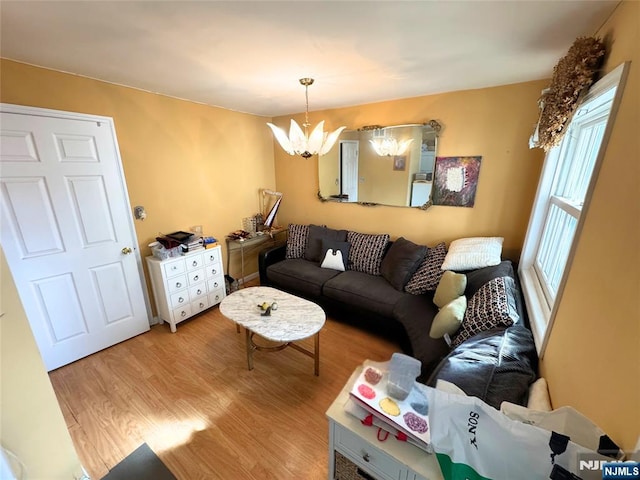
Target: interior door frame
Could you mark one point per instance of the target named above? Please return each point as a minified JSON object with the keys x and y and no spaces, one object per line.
{"x":341,"y":166}
{"x":46,"y":112}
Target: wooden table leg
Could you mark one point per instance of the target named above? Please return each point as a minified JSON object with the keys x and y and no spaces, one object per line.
{"x":316,"y":357}
{"x":249,"y":348}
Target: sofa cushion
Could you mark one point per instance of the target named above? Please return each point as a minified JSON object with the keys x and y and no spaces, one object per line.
{"x":317,"y":234}
{"x":297,"y":240}
{"x":415,"y":313}
{"x":334,"y":254}
{"x":495,"y":366}
{"x":427,"y":276}
{"x":401,"y":261}
{"x":366,"y":252}
{"x":493,"y":305}
{"x":449,"y":318}
{"x":450,"y":287}
{"x":364,"y":291}
{"x":300,"y":275}
{"x":471,"y":253}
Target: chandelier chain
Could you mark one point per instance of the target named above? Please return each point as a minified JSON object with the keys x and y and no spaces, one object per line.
{"x":306,"y":112}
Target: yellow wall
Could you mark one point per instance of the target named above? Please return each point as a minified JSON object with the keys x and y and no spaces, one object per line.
{"x":592,"y":361}
{"x":493,"y":122}
{"x":187,"y":163}
{"x":31,"y":422}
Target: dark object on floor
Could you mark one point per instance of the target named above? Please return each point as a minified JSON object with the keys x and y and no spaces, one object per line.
{"x":142,"y":464}
{"x":231,"y":284}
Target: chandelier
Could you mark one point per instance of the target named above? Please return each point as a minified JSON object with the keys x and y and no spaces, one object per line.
{"x":386,"y":145}
{"x":300,"y":142}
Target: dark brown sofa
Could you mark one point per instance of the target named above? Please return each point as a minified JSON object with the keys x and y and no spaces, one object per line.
{"x":500,"y":365}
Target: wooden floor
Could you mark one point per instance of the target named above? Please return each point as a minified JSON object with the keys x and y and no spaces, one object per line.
{"x":190,"y":397}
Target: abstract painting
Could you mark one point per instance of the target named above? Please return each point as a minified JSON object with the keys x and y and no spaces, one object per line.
{"x":456,"y":180}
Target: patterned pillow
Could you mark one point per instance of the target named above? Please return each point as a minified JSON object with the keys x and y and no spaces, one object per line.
{"x":297,"y":240}
{"x":429,"y":272}
{"x":366,"y":252}
{"x":493,"y":305}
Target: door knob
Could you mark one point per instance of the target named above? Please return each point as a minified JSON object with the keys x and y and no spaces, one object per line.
{"x":126,"y":250}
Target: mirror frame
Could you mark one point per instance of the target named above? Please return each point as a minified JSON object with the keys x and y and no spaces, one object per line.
{"x":435,"y":126}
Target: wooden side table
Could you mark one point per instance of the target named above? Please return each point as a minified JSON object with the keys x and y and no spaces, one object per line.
{"x":356,"y":453}
{"x":251,"y":244}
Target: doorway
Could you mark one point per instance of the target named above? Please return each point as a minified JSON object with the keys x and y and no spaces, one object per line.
{"x":67,"y":232}
{"x":349,"y":170}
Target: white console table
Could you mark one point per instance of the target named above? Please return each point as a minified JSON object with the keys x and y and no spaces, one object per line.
{"x":355,"y":452}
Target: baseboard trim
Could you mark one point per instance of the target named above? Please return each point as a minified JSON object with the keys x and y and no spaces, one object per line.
{"x":248,"y":278}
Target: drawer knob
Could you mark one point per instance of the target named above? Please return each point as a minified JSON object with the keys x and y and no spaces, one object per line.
{"x":180,"y":300}
{"x":366,"y":458}
{"x":217,"y":297}
{"x":215,"y":284}
{"x":214,"y":271}
{"x":196,"y":277}
{"x":199,"y":292}
{"x":178,"y":284}
{"x":201,"y":305}
{"x":195,"y":263}
{"x":184,"y":314}
{"x":211,"y":258}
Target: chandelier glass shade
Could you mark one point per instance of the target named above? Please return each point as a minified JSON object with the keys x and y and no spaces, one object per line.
{"x":299,"y":142}
{"x":386,"y":145}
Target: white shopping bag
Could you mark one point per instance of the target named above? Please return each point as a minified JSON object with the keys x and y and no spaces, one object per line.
{"x":474,"y":441}
{"x":567,"y":421}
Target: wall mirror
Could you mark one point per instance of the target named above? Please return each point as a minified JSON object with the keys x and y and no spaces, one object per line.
{"x":381,"y":165}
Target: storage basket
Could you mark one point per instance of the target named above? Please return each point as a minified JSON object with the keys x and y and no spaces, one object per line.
{"x":345,"y":469}
{"x":162,"y":253}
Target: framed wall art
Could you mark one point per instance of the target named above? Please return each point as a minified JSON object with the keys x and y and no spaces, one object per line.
{"x":400,"y":162}
{"x":456,"y":180}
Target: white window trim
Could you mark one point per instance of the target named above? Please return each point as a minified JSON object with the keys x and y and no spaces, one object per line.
{"x":541,"y":314}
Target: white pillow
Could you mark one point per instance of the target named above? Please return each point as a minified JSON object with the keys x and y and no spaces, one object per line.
{"x":333,"y":259}
{"x":472,"y":253}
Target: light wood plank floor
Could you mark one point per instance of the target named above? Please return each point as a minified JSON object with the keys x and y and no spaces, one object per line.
{"x":190,"y":397}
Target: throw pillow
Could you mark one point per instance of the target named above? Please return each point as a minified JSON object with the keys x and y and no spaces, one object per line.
{"x":401,"y":261}
{"x":297,"y":240}
{"x":450,"y":287}
{"x":449,"y":318}
{"x":477,"y":278}
{"x":471,"y":253}
{"x":492,"y":306}
{"x":335,"y":255}
{"x":429,"y":272}
{"x":313,"y":250}
{"x":366,"y":252}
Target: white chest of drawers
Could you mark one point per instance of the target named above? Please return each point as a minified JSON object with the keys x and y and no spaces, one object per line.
{"x":355,"y":451}
{"x":187,"y":285}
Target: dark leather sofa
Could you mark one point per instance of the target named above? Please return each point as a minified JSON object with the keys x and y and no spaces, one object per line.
{"x":496,"y":365}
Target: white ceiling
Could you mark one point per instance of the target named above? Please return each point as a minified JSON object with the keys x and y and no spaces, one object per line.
{"x":248,"y":56}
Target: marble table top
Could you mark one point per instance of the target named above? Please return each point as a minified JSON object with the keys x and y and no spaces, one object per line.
{"x":295,"y":318}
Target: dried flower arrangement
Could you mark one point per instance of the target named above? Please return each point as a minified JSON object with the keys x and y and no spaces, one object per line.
{"x":573,"y":74}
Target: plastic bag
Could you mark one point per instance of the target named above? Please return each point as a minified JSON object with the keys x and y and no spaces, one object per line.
{"x":474,"y":441}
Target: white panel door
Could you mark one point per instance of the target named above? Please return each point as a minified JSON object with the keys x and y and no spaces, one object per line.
{"x":67,"y":234}
{"x":349,"y":169}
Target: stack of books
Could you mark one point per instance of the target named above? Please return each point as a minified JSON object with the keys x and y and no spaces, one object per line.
{"x":194,"y":243}
{"x":209,"y":242}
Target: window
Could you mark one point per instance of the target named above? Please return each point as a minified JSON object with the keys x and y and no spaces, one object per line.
{"x":566,"y":182}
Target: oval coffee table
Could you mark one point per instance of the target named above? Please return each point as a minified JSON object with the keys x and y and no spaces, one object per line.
{"x":295,"y":319}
